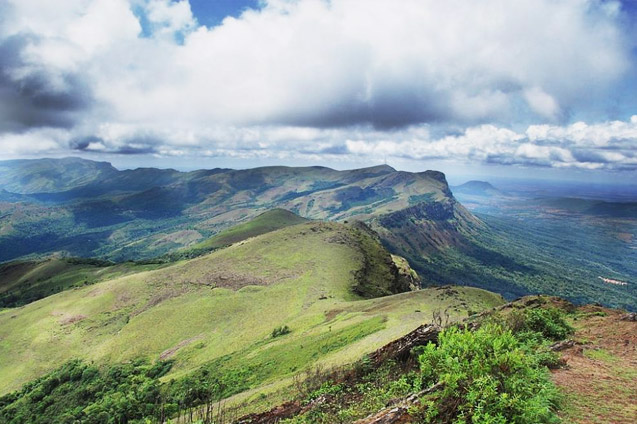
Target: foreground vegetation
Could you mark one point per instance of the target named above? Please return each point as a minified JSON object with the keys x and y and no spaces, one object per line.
{"x":495,"y":374}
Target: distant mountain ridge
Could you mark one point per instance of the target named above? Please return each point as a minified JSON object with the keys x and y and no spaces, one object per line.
{"x":92,"y":209}
{"x":29,"y":176}
{"x":592,"y":207}
{"x":477,"y":188}
{"x":158,"y":216}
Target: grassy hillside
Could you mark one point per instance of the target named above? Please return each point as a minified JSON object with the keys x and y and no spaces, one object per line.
{"x":536,"y":360}
{"x":219,"y":311}
{"x":24,"y":282}
{"x":268,"y":221}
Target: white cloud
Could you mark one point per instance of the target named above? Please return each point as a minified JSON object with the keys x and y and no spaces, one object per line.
{"x":168,"y":17}
{"x":316,"y":77}
{"x":609,"y":145}
{"x":542,"y":103}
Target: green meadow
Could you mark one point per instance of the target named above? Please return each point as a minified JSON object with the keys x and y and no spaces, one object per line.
{"x":218,"y":311}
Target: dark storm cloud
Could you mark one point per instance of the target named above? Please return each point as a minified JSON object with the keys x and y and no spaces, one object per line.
{"x":28,"y":97}
{"x":387,"y":108}
{"x":83,"y":143}
{"x":133,"y":149}
{"x":128,"y":146}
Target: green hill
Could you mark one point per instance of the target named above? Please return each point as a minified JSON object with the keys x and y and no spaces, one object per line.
{"x":22,"y":282}
{"x":26,"y":176}
{"x":218,"y":312}
{"x":266,"y":222}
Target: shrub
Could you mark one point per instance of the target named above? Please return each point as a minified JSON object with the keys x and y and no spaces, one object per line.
{"x":281,"y":331}
{"x":549,"y":322}
{"x":327,"y":388}
{"x":488,"y":376}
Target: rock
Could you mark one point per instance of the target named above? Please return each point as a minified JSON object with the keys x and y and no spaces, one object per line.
{"x":631,"y":316}
{"x":563,"y":345}
{"x":399,"y":349}
{"x":281,"y":412}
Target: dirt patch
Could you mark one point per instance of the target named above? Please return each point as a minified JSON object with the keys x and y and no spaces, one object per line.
{"x":626,"y":237}
{"x":164,"y":294}
{"x":96,"y":292}
{"x":166,"y":354}
{"x":72,"y":319}
{"x":231,"y":280}
{"x":222,"y":275}
{"x":600,"y":379}
{"x":183,"y":237}
{"x":330,"y":315}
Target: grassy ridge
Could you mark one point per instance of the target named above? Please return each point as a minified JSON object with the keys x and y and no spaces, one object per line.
{"x":22,"y":282}
{"x":229,"y":301}
{"x":271,"y":220}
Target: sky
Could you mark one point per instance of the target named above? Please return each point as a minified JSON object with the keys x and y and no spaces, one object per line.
{"x":541,"y":88}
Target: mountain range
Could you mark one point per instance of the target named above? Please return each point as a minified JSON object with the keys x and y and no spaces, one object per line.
{"x":96,"y":210}
{"x":79,"y":208}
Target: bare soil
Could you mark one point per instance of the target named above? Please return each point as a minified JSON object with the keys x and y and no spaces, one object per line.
{"x":600,"y":378}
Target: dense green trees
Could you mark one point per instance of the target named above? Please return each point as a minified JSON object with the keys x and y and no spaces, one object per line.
{"x":80,"y":392}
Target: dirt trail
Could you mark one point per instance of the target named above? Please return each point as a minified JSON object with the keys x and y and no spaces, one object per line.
{"x":600,"y":380}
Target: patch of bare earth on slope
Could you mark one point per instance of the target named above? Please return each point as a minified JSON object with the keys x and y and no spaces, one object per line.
{"x":600,"y":377}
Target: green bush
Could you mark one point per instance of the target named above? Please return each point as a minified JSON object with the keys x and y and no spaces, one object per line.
{"x":549,"y":322}
{"x":281,"y":331}
{"x":489,"y":377}
{"x":327,"y":388}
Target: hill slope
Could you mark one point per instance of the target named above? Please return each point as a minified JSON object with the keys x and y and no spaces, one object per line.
{"x":581,"y":361}
{"x":228,"y":302}
{"x":266,"y":222}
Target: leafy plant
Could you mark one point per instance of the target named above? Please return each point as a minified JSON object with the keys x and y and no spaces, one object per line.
{"x":549,"y":322}
{"x":488,"y":377}
{"x":78,"y":392}
{"x":281,"y":331}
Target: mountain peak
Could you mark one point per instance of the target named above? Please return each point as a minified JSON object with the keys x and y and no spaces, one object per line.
{"x":477,"y":188}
